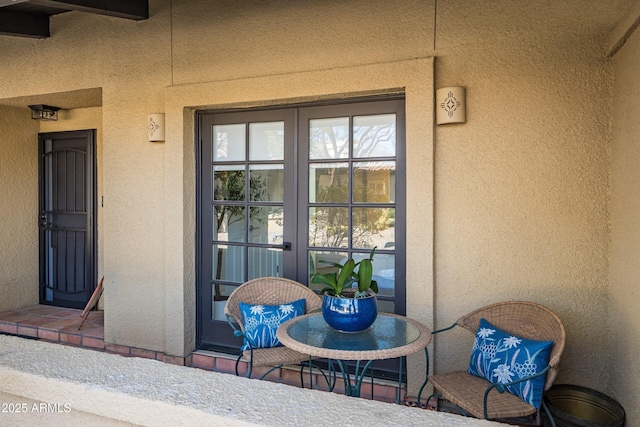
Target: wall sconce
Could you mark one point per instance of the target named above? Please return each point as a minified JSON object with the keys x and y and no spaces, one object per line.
{"x":450,"y":105}
{"x":44,"y":112}
{"x":156,"y":127}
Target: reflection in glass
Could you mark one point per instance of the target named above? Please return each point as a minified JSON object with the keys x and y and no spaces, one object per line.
{"x":220,"y":295}
{"x":373,"y":227}
{"x":228,"y":223}
{"x":329,"y":138}
{"x":264,"y":262}
{"x":228,"y":183}
{"x":374,"y":136}
{"x":374,"y":182}
{"x":267,"y":183}
{"x":328,"y":227}
{"x":386,"y":306}
{"x":265,"y":225}
{"x":328,"y":182}
{"x":229,"y":142}
{"x":266,"y":141}
{"x":320,"y":262}
{"x":384,"y":273}
{"x":228,"y":262}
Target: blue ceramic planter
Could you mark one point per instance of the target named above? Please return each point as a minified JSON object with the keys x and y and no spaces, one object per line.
{"x":350,"y":314}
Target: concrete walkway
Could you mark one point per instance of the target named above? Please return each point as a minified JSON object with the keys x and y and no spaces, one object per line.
{"x":52,"y":384}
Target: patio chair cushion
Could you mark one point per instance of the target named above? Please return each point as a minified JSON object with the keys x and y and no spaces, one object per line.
{"x":502,"y":357}
{"x":260,"y":322}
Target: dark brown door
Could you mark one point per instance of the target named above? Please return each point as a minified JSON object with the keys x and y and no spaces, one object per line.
{"x":67,"y":218}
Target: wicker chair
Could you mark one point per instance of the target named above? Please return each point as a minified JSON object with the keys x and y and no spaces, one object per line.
{"x":269,"y":291}
{"x":478,"y":397}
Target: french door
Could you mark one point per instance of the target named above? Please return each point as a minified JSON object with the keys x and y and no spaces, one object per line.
{"x":285,"y":192}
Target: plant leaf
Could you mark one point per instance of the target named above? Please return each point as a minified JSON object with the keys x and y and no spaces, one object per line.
{"x":374,"y":286}
{"x":346,"y":271}
{"x":326,"y":279}
{"x":365,"y":272}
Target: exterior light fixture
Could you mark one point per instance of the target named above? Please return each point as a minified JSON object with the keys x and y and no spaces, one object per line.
{"x":44,"y":112}
{"x":450,"y":105}
{"x":155,"y":127}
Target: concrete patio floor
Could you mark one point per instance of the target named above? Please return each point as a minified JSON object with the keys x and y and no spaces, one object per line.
{"x":67,"y":385}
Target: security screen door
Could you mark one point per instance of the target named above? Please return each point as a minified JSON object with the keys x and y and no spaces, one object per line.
{"x":286,"y":192}
{"x":67,"y":218}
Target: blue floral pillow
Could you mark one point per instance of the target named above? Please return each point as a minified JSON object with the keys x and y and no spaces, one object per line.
{"x":501,"y":357}
{"x":261,"y":322}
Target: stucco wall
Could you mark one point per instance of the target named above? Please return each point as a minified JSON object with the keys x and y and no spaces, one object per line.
{"x":520,"y":189}
{"x":624,"y":299}
{"x":18,"y":208}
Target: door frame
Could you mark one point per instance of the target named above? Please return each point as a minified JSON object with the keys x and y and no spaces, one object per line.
{"x":198,"y":140}
{"x":92,"y":208}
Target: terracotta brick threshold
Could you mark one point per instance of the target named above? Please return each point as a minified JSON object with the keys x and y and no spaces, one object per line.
{"x":62,"y":325}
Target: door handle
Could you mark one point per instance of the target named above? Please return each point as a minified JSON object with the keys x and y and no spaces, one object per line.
{"x":44,"y":221}
{"x":285,"y":246}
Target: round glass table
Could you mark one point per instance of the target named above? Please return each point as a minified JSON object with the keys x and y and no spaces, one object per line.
{"x":389,"y":337}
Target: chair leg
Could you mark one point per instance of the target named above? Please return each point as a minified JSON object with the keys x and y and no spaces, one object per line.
{"x":271,"y":370}
{"x":249,"y":369}
{"x":436,"y":395}
{"x":546,"y":410}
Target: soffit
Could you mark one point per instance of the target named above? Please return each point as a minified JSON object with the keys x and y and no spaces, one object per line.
{"x":30,"y":18}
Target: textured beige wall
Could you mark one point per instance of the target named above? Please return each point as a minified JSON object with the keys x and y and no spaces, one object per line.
{"x":18,"y":208}
{"x":624,"y":298}
{"x":521,"y":188}
{"x":131,"y":62}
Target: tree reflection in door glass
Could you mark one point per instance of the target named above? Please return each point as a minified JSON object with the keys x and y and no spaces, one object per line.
{"x":328,"y":182}
{"x":374,"y":136}
{"x":373,"y":227}
{"x":329,"y":138}
{"x":328,"y":227}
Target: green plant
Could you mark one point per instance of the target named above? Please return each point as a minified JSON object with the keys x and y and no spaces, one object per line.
{"x":337,"y":281}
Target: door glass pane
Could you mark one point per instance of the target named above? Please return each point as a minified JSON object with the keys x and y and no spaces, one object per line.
{"x":228,"y":183}
{"x":374,"y":182}
{"x":329,"y":227}
{"x":266,"y":225}
{"x":264,"y":262}
{"x":220,"y":295}
{"x":384,"y":273}
{"x":228,"y":223}
{"x":228,"y":262}
{"x":320,"y":262}
{"x":373,"y":227}
{"x":386,"y":306}
{"x":229,"y":142}
{"x":328,"y":182}
{"x":329,"y":138}
{"x":374,"y":136}
{"x":266,"y":141}
{"x":267,"y":183}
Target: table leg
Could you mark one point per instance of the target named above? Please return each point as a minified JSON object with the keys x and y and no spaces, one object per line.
{"x":426,"y":379}
{"x":398,"y":392}
{"x":353,"y":388}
